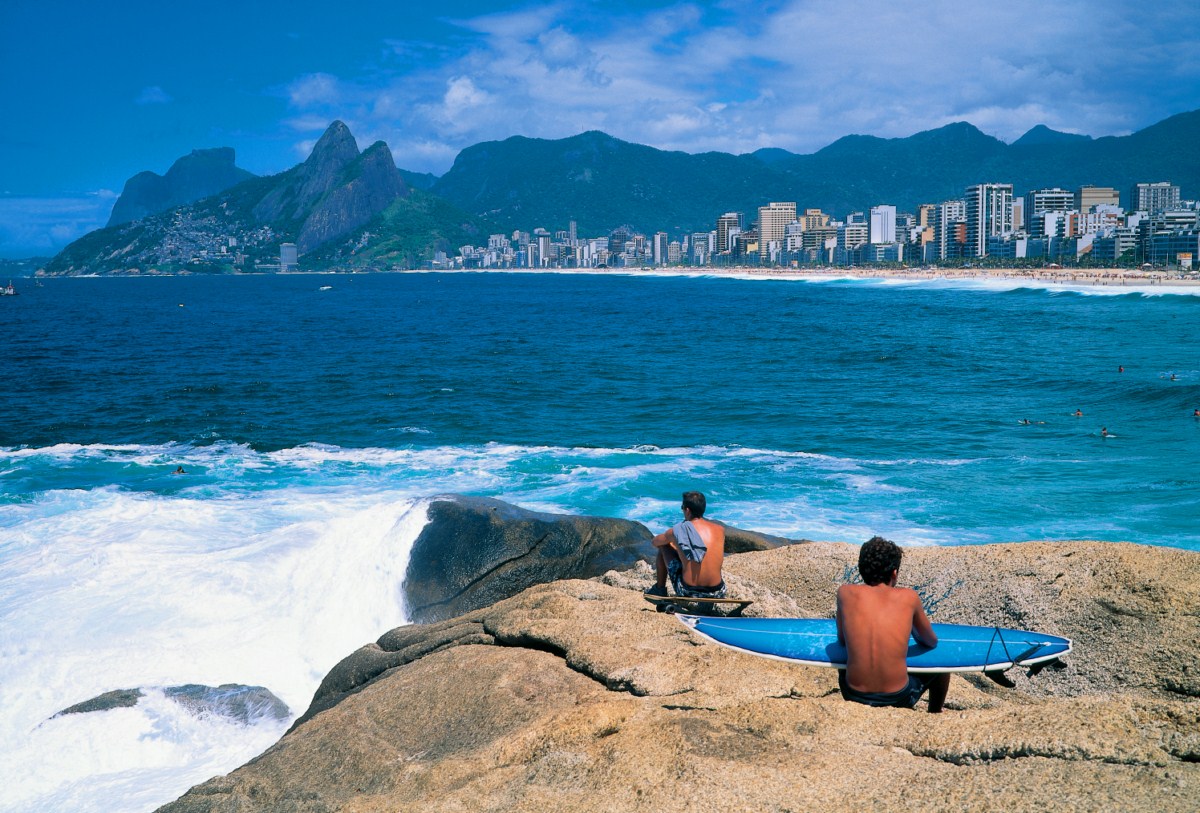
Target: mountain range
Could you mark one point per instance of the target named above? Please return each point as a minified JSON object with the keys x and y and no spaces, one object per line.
{"x":344,"y":208}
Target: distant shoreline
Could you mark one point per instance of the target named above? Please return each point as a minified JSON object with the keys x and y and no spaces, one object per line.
{"x":1092,"y":277}
{"x":1068,"y":278}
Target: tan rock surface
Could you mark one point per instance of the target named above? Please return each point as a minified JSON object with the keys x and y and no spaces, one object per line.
{"x":577,"y":696}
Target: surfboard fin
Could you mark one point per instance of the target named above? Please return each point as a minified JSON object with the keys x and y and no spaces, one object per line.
{"x":999,"y":677}
{"x":1057,"y":664}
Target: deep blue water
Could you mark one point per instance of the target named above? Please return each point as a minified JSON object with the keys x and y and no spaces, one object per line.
{"x":854,"y":399}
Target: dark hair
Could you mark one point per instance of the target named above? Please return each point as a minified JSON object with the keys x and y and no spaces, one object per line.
{"x":694,"y":502}
{"x":877,"y":559}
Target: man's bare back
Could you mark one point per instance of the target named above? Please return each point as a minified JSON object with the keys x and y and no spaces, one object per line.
{"x":874,"y":622}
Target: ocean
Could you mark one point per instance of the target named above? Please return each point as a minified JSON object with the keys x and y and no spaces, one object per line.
{"x":314,"y":416}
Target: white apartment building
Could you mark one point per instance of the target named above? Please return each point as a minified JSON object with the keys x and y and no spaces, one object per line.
{"x":989,"y":214}
{"x":1153,"y":197}
{"x":883,"y":224}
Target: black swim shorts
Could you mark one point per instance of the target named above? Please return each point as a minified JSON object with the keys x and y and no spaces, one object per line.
{"x":906,"y":698}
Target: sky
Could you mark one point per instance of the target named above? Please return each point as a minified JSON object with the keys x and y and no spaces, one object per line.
{"x":93,"y":93}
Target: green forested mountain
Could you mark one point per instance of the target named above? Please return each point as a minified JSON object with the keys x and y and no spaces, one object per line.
{"x":344,"y":208}
{"x":602,"y":182}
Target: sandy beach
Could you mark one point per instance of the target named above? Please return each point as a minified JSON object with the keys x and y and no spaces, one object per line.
{"x":1066,"y":277}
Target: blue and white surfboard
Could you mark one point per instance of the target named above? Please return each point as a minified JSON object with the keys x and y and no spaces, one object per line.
{"x":813,"y":641}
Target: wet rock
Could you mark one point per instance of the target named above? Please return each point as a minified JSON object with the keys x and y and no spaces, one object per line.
{"x":476,"y":551}
{"x":244,"y":704}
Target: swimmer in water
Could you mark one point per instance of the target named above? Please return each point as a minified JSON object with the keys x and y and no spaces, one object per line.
{"x":1196,"y":413}
{"x":1104,"y":432}
{"x":1120,"y":368}
{"x":179,"y":470}
{"x":1079,"y":413}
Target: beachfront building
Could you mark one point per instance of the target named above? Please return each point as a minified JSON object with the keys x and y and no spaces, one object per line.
{"x":1153,"y":197}
{"x":883,"y":224}
{"x":989,"y":214}
{"x":1089,"y":197}
{"x":948,"y":215}
{"x":1039,"y":202}
{"x":728,"y":226}
{"x":660,"y":248}
{"x":772,"y":223}
{"x":288,"y":260}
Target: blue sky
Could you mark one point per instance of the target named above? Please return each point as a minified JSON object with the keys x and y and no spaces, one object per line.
{"x":93,"y":93}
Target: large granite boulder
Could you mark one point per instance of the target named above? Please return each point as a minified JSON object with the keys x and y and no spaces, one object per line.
{"x":577,"y":696}
{"x":476,"y":551}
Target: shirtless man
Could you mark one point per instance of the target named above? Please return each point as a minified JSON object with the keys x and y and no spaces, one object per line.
{"x":874,"y":620}
{"x":690,"y":554}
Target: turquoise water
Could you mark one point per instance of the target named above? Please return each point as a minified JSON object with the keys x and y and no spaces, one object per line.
{"x":315,"y":425}
{"x":824,"y":410}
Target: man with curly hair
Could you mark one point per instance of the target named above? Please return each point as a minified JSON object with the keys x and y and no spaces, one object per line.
{"x":874,"y":620}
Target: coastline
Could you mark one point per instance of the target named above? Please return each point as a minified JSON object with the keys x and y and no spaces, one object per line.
{"x":1067,"y":278}
{"x":1064,"y":278}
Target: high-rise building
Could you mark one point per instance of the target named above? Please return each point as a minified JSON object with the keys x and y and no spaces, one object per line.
{"x":852,"y":235}
{"x":813,"y":219}
{"x":772,"y":223}
{"x":1087,"y":197}
{"x":726,"y":223}
{"x":883,"y":224}
{"x":989,"y":214}
{"x":287,"y":257}
{"x":947,"y":215}
{"x":1040,"y":201}
{"x":925,"y":215}
{"x":1153,"y":197}
{"x":660,"y":248}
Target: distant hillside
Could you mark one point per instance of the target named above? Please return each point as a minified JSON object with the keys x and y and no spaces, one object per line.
{"x":346,"y":208}
{"x":330,"y":198}
{"x":192,"y":177}
{"x":602,"y":182}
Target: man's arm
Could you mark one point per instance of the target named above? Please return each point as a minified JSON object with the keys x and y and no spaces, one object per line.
{"x":922,"y":629}
{"x":665,"y":539}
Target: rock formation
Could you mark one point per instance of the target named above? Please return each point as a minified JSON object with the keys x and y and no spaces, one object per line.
{"x":577,"y":696}
{"x":475,"y":551}
{"x":192,"y":177}
{"x":245,"y":704}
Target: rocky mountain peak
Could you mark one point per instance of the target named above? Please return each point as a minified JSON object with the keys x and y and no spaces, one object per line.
{"x":194,"y":176}
{"x":335,"y":147}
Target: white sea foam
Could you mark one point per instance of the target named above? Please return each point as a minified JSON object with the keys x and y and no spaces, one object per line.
{"x":128,"y":590}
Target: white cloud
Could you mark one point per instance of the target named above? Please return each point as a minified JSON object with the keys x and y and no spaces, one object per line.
{"x":153,"y":95}
{"x":315,"y":89}
{"x":796,"y":74}
{"x":31,"y":226}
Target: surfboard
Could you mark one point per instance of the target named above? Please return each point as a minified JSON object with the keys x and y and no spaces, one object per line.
{"x":813,"y":642}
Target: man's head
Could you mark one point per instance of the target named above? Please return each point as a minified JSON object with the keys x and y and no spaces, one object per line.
{"x":694,"y":502}
{"x":877,"y":559}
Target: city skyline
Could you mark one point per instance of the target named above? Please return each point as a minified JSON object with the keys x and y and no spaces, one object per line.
{"x":108,"y":93}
